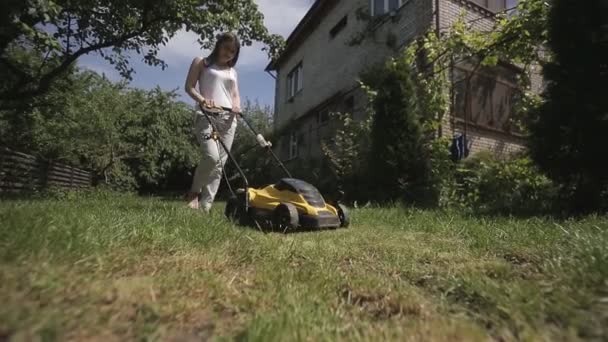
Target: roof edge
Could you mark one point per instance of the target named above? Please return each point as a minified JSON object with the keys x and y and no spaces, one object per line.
{"x":302,"y":25}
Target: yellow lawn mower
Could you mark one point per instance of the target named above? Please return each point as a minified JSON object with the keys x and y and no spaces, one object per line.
{"x":288,"y":205}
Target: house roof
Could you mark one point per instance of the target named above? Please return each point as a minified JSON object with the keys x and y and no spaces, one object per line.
{"x":311,"y":18}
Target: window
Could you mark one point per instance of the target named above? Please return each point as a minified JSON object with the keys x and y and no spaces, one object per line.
{"x":380,"y":7}
{"x":339,"y":26}
{"x":496,"y":5}
{"x":492,"y":97}
{"x":293,"y":145}
{"x":349,"y":105}
{"x":294,"y":81}
{"x":323,"y":116}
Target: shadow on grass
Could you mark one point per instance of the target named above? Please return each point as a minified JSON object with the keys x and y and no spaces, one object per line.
{"x":269,"y":228}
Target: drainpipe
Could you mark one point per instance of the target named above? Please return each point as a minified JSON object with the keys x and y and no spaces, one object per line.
{"x":274,"y":111}
{"x":437,"y":32}
{"x":437,"y":27}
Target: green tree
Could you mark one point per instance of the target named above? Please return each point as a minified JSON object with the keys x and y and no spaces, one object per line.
{"x":253,"y":160}
{"x":347,"y":155}
{"x":569,"y":130}
{"x":397,"y":138}
{"x":130,"y":138}
{"x":59,"y":32}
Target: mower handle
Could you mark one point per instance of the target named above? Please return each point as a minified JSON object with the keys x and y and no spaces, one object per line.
{"x":225,"y":109}
{"x":258,"y":136}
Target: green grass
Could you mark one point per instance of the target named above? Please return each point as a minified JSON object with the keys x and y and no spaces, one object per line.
{"x":121,"y":268}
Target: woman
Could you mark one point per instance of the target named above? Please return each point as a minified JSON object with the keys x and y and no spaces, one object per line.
{"x":218,"y":86}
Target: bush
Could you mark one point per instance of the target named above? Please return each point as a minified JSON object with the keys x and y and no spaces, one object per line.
{"x":568,"y":131}
{"x":400,"y":141}
{"x":100,"y":192}
{"x":347,"y":157}
{"x":441,"y":178}
{"x":487,"y":185}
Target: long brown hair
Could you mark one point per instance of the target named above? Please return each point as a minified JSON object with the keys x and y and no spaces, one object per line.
{"x":221,"y":39}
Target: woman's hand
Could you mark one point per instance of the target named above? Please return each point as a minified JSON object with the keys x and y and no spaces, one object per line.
{"x":207,"y":103}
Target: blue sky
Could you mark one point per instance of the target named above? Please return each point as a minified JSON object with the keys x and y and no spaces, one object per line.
{"x":280,"y":17}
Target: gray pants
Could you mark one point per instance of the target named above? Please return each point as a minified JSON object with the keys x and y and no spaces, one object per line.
{"x":208,"y":174}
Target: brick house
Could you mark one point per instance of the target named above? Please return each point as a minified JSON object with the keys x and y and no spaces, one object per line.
{"x":317,"y":72}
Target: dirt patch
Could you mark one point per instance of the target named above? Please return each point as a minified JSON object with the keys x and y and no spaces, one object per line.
{"x":380,"y":306}
{"x":521,"y":259}
{"x":470,"y":298}
{"x":5,"y":334}
{"x":526,"y":266}
{"x":196,"y":326}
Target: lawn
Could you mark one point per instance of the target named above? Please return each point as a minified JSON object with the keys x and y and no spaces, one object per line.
{"x":119,"y":267}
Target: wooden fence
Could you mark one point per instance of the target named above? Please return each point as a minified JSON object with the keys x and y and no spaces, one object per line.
{"x":22,"y":172}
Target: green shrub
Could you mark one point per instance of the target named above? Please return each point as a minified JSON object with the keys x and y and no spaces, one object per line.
{"x":486,"y":184}
{"x":568,"y":130}
{"x":100,"y":192}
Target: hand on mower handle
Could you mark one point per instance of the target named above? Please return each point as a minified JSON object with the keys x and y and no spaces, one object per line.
{"x":262,"y":141}
{"x":226,"y":109}
{"x":207,"y":103}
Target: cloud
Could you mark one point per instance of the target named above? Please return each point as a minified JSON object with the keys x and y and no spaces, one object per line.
{"x":99,"y":66}
{"x":280,"y":17}
{"x":182,"y":45}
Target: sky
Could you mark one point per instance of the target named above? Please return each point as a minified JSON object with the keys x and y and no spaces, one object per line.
{"x":280,"y":17}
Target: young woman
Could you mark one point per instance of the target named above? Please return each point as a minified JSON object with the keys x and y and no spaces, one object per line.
{"x":217,"y":86}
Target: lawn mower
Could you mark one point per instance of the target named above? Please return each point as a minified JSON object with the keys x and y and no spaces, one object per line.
{"x":286,"y":205}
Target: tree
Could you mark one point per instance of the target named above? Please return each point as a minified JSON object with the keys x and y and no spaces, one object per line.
{"x":569,"y":130}
{"x":129,"y":138}
{"x":347,"y":154}
{"x":59,"y":32}
{"x":400,"y":168}
{"x":253,"y":160}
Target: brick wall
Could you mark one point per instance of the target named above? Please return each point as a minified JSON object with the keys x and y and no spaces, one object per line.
{"x":450,"y":11}
{"x":479,"y":138}
{"x":331,"y":68}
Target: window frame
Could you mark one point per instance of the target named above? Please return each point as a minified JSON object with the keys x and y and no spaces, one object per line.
{"x":295,"y":88}
{"x":387,"y":10}
{"x":502,"y":4}
{"x":323,"y":114}
{"x":293,"y":147}
{"x":340,"y":25}
{"x":463,"y":111}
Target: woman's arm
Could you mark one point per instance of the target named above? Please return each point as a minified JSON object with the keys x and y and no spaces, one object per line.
{"x":197,"y":66}
{"x":236,"y":95}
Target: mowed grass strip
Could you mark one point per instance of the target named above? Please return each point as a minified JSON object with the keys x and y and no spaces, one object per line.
{"x":119,"y":267}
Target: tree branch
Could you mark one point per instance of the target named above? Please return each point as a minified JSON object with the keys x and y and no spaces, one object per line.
{"x":46,"y":80}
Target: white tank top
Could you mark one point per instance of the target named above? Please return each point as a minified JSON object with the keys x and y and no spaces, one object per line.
{"x":217,"y":84}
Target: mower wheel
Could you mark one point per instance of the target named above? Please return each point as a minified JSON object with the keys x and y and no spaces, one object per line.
{"x":286,"y":216}
{"x":233,"y":209}
{"x":343,"y":215}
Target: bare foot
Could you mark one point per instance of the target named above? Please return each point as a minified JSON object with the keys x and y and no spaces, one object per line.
{"x":192,"y":199}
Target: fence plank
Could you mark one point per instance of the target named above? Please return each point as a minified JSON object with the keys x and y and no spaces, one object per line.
{"x":21,"y":172}
{"x":15,"y":185}
{"x":67,"y":169}
{"x":2,"y":157}
{"x":21,"y":160}
{"x":66,"y":180}
{"x":61,"y":174}
{"x":10,"y":152}
{"x":34,"y":178}
{"x":67,"y":185}
{"x":21,"y":177}
{"x":16,"y":165}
